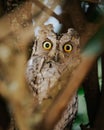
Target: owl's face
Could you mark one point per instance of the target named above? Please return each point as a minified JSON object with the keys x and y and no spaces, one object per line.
{"x":59,"y":48}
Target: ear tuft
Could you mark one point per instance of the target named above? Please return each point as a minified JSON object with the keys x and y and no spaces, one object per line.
{"x":74,"y":34}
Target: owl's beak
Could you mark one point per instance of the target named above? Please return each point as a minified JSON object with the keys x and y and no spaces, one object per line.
{"x":56,"y":57}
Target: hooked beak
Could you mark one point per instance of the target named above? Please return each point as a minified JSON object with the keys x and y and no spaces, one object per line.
{"x":58,"y":57}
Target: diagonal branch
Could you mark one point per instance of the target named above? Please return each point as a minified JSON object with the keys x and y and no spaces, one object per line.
{"x":47,"y":10}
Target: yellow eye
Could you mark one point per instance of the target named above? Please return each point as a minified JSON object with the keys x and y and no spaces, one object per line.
{"x":47,"y":45}
{"x":68,"y":47}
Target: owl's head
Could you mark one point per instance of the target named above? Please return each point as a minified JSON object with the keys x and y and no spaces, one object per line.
{"x":60,"y":48}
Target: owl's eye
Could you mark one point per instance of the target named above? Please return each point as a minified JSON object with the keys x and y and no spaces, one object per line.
{"x":68,"y":47}
{"x":47,"y":45}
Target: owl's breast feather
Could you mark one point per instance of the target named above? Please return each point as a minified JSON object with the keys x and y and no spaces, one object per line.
{"x":46,"y":79}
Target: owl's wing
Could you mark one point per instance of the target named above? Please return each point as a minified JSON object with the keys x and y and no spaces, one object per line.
{"x":34,"y":67}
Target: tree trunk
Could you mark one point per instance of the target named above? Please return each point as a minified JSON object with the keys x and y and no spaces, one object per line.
{"x":99,"y":121}
{"x":92,"y":94}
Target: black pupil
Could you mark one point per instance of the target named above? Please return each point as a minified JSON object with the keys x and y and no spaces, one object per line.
{"x":47,"y":45}
{"x":67,"y":47}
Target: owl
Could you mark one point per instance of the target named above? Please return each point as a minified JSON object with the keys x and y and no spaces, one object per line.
{"x":52,"y":54}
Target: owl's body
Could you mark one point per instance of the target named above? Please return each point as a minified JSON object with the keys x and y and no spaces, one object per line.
{"x":51,"y":56}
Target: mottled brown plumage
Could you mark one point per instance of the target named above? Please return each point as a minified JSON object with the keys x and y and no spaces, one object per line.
{"x":51,"y":55}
